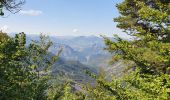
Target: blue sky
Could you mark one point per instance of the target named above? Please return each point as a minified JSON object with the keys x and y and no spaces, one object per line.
{"x":64,"y":17}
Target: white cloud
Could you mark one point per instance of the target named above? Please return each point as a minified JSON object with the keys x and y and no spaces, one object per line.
{"x":31,"y":12}
{"x":75,"y":30}
{"x":4,"y":28}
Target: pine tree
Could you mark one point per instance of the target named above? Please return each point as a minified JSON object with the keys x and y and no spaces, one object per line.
{"x":148,"y":21}
{"x":148,"y":77}
{"x":25,"y":71}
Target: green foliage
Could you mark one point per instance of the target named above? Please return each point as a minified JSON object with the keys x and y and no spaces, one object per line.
{"x":148,"y":22}
{"x":12,"y":69}
{"x":64,"y":91}
{"x":134,"y":86}
{"x":24,"y":70}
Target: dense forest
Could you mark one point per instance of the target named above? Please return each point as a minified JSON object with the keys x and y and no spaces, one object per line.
{"x":25,"y":70}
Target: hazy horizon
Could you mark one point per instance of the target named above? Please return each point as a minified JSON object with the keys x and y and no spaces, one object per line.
{"x":64,"y":18}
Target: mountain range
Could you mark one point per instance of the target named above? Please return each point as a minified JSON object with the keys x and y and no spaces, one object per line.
{"x":88,"y":50}
{"x":79,"y":53}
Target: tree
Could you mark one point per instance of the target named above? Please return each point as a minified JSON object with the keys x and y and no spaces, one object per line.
{"x":148,"y":21}
{"x":11,"y":5}
{"x":148,"y":77}
{"x":13,"y":70}
{"x":25,"y":71}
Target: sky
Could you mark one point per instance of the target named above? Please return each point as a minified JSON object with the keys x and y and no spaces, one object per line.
{"x":64,"y":18}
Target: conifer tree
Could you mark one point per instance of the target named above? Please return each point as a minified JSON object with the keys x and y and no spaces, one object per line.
{"x":148,"y":77}
{"x":148,"y":21}
{"x":25,"y":71}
